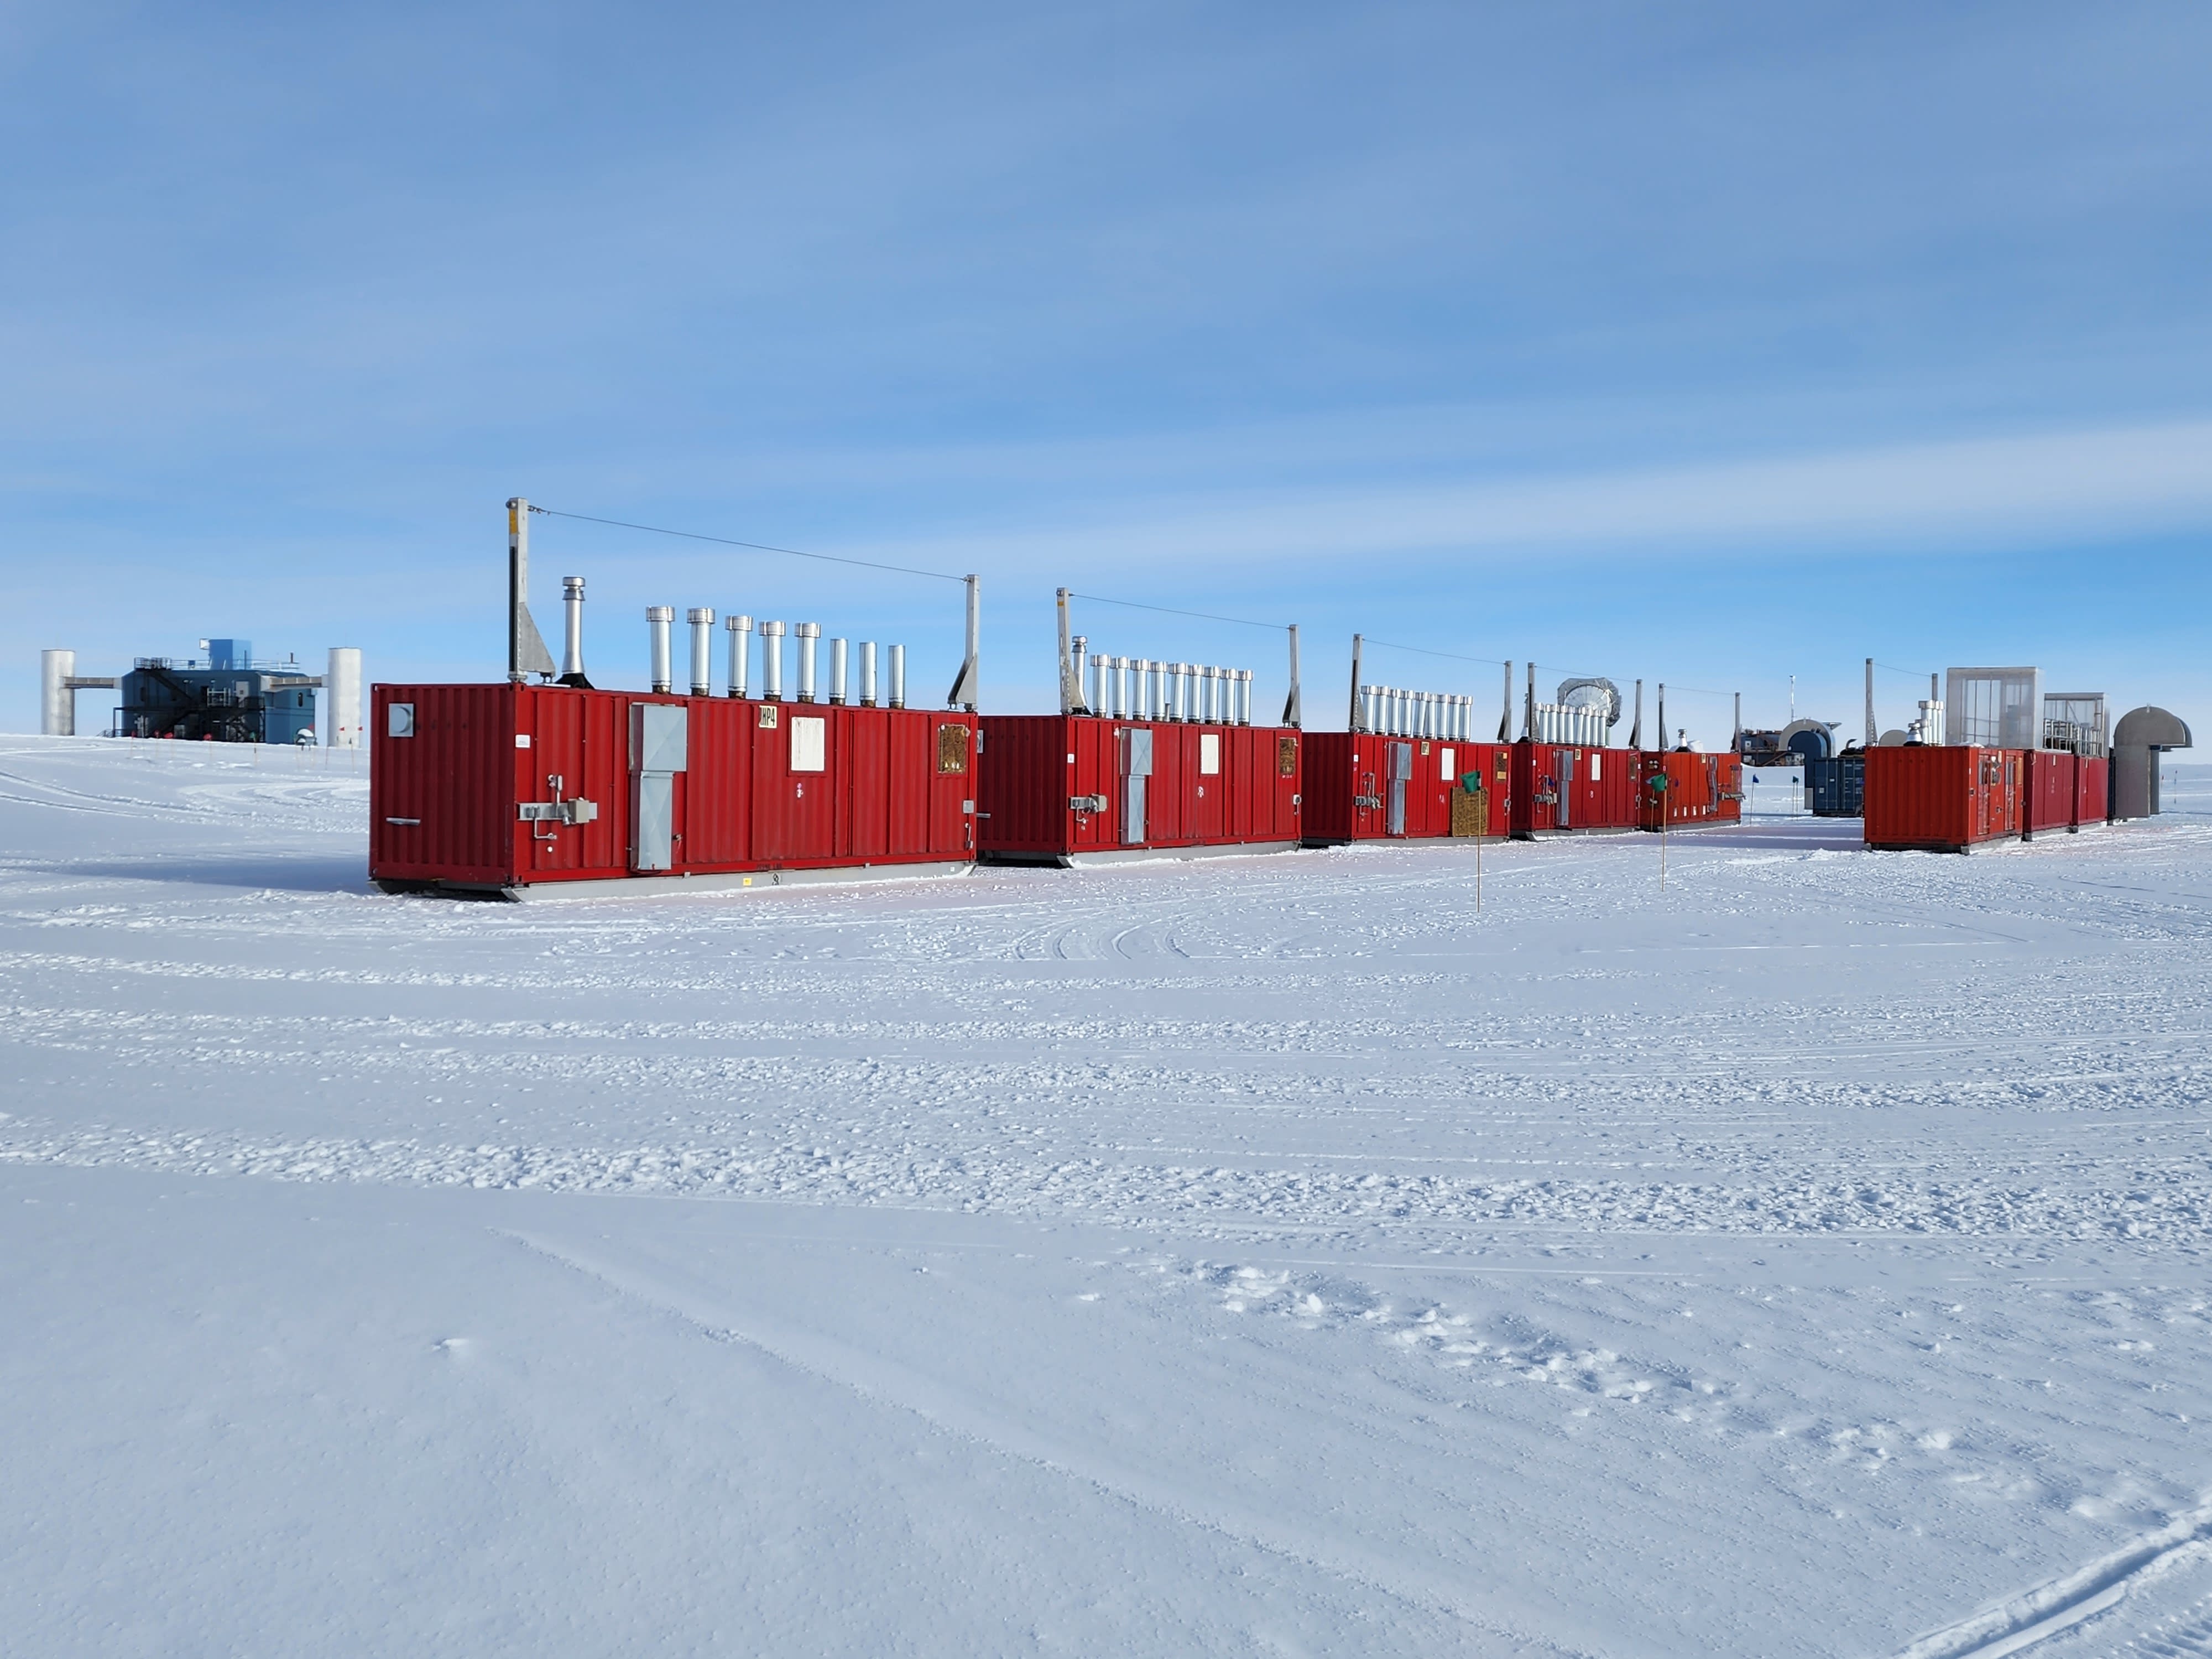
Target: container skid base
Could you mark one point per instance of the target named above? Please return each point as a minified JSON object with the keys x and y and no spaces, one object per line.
{"x":1364,"y":786}
{"x":503,"y":789}
{"x":1070,"y":789}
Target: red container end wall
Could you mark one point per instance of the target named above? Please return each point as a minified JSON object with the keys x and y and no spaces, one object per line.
{"x":2064,"y":791}
{"x":1941,"y":798}
{"x":476,"y":793}
{"x":1362,"y":785}
{"x":2047,"y":800}
{"x":2093,"y":791}
{"x":1059,"y":787}
{"x":1567,"y":789}
{"x":1677,"y":789}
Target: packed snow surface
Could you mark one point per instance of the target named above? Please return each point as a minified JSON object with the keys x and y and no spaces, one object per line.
{"x":1277,"y":1255}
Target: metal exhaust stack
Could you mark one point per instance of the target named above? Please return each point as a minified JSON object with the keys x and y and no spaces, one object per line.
{"x":342,"y":698}
{"x":741,"y":639}
{"x":808,"y":633}
{"x":572,"y":651}
{"x":1293,"y":710}
{"x":1071,"y":664}
{"x":1358,"y":721}
{"x":898,"y":677}
{"x":837,"y":671}
{"x":772,"y":661}
{"x":657,"y":618}
{"x":963,"y":694}
{"x":1243,"y":696}
{"x":702,"y":650}
{"x":867,"y":673}
{"x":1505,"y":717}
{"x":525,"y":646}
{"x":1636,"y":732}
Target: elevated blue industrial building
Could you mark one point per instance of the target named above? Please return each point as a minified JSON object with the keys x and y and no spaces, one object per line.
{"x":228,"y":698}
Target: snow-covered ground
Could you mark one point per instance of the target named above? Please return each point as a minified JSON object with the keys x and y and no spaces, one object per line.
{"x":1275,"y":1255}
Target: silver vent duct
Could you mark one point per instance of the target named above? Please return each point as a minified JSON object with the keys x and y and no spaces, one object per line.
{"x":657,"y":618}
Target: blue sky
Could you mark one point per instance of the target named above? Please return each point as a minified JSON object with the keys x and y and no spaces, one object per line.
{"x":1709,"y":344}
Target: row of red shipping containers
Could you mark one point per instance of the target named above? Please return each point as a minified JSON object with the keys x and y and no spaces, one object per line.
{"x":1947,"y":798}
{"x":1360,"y":786}
{"x":1057,"y":787}
{"x":505,"y":787}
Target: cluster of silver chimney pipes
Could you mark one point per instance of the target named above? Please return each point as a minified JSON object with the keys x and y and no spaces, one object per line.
{"x":526,"y":652}
{"x":1146,"y":688}
{"x":741,"y":629}
{"x":1395,"y":712}
{"x":1139,"y":688}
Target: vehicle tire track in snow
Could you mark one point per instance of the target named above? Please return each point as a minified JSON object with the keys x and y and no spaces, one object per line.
{"x":2062,"y":1603}
{"x":996,"y":1426}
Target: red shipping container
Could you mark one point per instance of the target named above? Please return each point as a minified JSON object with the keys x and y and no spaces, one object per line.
{"x":1943,"y":798}
{"x":2093,"y":791}
{"x":1059,"y":787}
{"x":2047,"y":801}
{"x":501,"y":788}
{"x":1681,"y":789}
{"x":2064,"y":791}
{"x":1568,"y":789}
{"x":1363,"y":785}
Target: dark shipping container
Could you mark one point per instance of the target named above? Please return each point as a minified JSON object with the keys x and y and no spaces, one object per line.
{"x":503,"y":788}
{"x":1836,"y":788}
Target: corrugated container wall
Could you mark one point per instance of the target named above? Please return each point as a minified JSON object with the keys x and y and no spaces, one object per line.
{"x":1679,"y":789}
{"x":1942,"y":798}
{"x":1363,"y":786}
{"x":1060,"y":787}
{"x":511,"y":786}
{"x":1562,"y":789}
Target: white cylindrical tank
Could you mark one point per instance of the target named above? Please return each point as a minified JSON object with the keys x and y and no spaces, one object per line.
{"x":56,"y":701}
{"x":341,"y":700}
{"x":657,"y":619}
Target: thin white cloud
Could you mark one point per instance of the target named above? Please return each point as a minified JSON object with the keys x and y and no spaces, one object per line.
{"x":2018,"y":490}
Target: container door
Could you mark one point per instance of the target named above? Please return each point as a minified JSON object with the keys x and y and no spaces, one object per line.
{"x":660,"y":737}
{"x":1569,"y":764}
{"x":1136,"y":766}
{"x":1401,"y":768}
